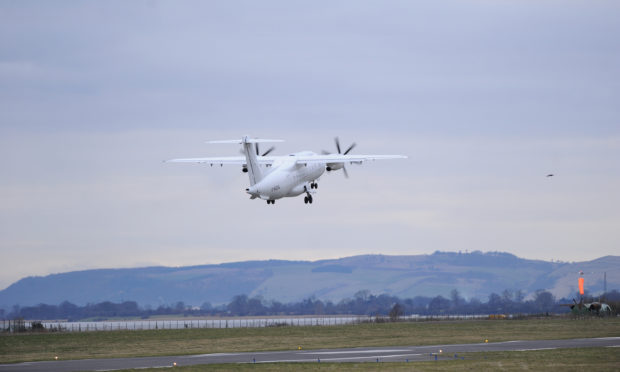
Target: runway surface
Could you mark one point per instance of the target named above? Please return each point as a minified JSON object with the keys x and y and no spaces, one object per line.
{"x":370,"y":354}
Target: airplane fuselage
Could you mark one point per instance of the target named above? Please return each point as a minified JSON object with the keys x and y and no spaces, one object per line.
{"x":287,"y":178}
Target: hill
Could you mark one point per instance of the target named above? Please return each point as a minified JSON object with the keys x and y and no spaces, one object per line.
{"x":473,"y":274}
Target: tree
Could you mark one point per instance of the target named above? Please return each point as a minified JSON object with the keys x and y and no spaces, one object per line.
{"x":544,"y":301}
{"x":396,"y":312}
{"x":362,"y":295}
{"x":438,"y":305}
{"x":495,"y":303}
{"x":507,"y":296}
{"x":519,"y":296}
{"x":255,"y":306}
{"x":319,"y":308}
{"x":239,"y":305}
{"x":456,"y":298}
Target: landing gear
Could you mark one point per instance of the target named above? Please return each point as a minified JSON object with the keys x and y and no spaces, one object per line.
{"x":314,"y":185}
{"x":308,"y":198}
{"x":271,"y":202}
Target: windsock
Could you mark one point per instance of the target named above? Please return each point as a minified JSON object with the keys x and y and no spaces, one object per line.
{"x":581,"y":286}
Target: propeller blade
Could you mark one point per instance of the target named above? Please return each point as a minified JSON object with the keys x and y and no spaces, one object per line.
{"x":337,"y":144}
{"x":350,"y":148}
{"x":268,"y":151}
{"x":257,"y":150}
{"x":344,"y":170}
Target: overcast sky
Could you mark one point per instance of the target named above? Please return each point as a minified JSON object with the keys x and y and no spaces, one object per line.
{"x":485,"y":97}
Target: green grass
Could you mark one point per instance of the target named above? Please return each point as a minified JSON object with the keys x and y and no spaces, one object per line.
{"x":583,"y":359}
{"x":114,"y":344}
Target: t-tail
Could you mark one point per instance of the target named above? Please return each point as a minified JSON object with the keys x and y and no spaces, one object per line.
{"x":249,"y":149}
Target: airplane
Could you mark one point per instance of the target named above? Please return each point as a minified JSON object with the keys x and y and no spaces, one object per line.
{"x":593,"y":308}
{"x":276,"y":177}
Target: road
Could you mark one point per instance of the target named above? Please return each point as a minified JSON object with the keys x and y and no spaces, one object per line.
{"x":375,"y":354}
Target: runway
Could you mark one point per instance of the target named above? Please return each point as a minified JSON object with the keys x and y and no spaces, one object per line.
{"x":369,"y":354}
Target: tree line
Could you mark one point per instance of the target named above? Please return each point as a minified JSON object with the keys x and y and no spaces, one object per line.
{"x":362,"y":303}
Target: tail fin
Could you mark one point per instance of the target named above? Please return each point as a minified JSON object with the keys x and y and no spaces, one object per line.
{"x":249,"y":149}
{"x":254,"y":171}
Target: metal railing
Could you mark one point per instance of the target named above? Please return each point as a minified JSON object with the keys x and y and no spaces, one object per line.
{"x":15,"y":326}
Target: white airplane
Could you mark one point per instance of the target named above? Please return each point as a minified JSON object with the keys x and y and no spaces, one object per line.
{"x":276,"y":177}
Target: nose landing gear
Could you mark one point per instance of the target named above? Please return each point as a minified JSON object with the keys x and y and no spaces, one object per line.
{"x":271,"y":202}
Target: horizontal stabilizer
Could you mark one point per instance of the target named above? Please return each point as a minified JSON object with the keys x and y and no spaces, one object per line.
{"x":224,"y":160}
{"x":337,"y":158}
{"x":247,"y":140}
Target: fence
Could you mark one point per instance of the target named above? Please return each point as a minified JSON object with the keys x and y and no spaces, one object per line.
{"x":240,"y":322}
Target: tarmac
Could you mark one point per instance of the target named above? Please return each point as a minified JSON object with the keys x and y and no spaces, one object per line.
{"x":367,"y":354}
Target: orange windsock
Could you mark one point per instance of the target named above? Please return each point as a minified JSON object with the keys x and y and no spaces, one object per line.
{"x":581,"y":286}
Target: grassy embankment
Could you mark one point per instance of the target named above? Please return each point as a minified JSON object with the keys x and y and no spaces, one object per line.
{"x":113,"y":344}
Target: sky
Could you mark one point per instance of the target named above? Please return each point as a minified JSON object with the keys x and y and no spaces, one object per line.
{"x":484,"y":97}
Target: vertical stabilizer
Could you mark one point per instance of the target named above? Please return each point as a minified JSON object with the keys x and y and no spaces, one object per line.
{"x":254,"y":171}
{"x":251,"y":155}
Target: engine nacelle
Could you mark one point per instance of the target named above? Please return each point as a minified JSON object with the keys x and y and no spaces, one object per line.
{"x":334,"y":166}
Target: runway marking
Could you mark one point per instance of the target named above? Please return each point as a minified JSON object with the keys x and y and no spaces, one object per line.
{"x":334,"y":359}
{"x":541,"y":348}
{"x":210,"y":355}
{"x":118,"y":369}
{"x":354,"y":352}
{"x":614,"y":346}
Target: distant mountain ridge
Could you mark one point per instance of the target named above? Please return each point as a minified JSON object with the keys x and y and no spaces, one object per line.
{"x":473,"y":274}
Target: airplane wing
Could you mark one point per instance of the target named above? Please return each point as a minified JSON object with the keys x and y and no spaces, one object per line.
{"x":338,"y":158}
{"x":223,"y":160}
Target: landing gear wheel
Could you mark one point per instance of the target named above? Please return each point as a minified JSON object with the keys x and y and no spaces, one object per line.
{"x":305,"y":200}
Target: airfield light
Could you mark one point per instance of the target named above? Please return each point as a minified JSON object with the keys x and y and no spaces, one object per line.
{"x":440,"y":351}
{"x":174,"y":364}
{"x":56,"y":357}
{"x":486,"y":341}
{"x":581,"y":280}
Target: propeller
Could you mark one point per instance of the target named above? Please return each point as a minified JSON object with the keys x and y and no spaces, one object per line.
{"x":347,"y":150}
{"x":244,"y":168}
{"x":266,"y":152}
{"x":258,"y":151}
{"x":336,"y":166}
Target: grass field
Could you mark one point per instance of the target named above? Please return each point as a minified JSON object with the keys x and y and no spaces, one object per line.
{"x":585,"y":359}
{"x":113,"y":344}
